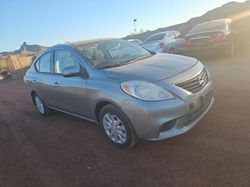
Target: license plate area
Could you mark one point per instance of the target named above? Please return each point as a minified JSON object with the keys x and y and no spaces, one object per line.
{"x":204,"y":102}
{"x":205,"y":99}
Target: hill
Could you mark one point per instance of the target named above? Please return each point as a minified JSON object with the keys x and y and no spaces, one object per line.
{"x":240,"y":12}
{"x":25,"y":48}
{"x":233,"y":10}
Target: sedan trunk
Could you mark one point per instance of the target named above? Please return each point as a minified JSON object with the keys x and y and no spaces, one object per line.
{"x":202,"y":38}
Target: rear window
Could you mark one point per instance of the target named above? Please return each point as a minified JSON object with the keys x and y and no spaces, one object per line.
{"x":209,"y":26}
{"x":155,"y":37}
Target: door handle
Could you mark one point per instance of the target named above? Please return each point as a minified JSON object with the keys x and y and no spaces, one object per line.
{"x":56,"y":84}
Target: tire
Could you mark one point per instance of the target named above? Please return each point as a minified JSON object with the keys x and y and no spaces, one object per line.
{"x":117,"y":127}
{"x":41,"y":107}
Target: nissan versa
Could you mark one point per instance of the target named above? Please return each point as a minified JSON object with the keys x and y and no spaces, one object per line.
{"x":132,"y":93}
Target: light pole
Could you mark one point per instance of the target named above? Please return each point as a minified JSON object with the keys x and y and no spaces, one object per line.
{"x":134,"y":25}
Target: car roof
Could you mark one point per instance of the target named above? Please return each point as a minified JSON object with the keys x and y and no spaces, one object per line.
{"x":223,"y":21}
{"x":218,"y":22}
{"x":165,"y":32}
{"x":134,"y":39}
{"x":74,"y":44}
{"x":78,"y":43}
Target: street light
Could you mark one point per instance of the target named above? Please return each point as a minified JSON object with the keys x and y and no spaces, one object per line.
{"x":134,"y":25}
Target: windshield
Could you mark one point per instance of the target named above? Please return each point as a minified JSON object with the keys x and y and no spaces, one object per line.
{"x":112,"y":53}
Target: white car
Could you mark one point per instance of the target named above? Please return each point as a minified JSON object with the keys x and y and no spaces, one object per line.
{"x":161,"y":42}
{"x":136,"y":41}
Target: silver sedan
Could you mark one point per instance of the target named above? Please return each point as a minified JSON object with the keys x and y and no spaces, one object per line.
{"x":132,"y":93}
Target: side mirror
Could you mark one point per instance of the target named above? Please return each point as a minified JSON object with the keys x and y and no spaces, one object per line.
{"x":71,"y":71}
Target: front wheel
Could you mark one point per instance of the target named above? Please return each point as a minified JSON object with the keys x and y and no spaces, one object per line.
{"x":117,"y":127}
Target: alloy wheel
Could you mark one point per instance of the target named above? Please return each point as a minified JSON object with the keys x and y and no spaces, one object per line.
{"x":39,"y":105}
{"x":114,"y":128}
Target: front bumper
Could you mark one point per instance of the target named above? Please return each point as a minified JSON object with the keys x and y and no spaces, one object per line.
{"x":165,"y":119}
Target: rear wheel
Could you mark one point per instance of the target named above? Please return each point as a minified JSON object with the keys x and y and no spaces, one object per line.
{"x":116,"y":127}
{"x":41,"y":107}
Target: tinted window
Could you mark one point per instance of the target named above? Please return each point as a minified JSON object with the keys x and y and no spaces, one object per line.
{"x":43,"y":65}
{"x":155,"y":37}
{"x":63,"y":59}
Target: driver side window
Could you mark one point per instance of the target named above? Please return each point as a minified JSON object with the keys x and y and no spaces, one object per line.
{"x":63,"y":59}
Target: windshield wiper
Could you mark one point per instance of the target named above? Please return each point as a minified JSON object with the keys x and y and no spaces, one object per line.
{"x":110,"y":66}
{"x":138,"y":58}
{"x":127,"y":62}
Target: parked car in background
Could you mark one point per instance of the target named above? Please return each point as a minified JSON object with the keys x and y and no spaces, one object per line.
{"x":136,"y":41}
{"x":130,"y":92}
{"x":161,"y":42}
{"x":209,"y":38}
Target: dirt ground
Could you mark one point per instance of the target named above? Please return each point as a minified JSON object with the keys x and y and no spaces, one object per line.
{"x":62,"y":150}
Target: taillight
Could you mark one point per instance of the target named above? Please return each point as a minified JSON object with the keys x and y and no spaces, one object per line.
{"x":162,"y":45}
{"x":219,"y":38}
{"x":186,"y":43}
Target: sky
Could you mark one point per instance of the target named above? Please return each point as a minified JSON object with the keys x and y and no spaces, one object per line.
{"x":49,"y":22}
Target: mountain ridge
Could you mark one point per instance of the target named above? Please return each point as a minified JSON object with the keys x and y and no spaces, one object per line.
{"x":228,"y":10}
{"x":25,"y":48}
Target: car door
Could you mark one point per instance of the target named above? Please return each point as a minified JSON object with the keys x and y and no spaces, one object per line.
{"x":69,"y":93}
{"x":169,"y":42}
{"x":170,"y":38}
{"x":42,"y":81}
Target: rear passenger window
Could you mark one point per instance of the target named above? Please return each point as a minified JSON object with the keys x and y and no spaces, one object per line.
{"x":63,"y":59}
{"x":43,"y":65}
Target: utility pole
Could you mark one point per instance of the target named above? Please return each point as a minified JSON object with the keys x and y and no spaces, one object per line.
{"x":134,"y":25}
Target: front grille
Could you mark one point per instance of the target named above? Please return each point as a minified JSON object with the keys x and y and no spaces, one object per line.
{"x":196,"y":83}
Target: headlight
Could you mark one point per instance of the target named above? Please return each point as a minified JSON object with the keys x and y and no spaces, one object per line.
{"x":145,"y":91}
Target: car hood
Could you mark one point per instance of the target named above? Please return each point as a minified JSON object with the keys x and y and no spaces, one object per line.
{"x":157,"y":67}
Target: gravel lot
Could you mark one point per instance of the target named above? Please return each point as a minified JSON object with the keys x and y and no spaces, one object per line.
{"x":66,"y":151}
